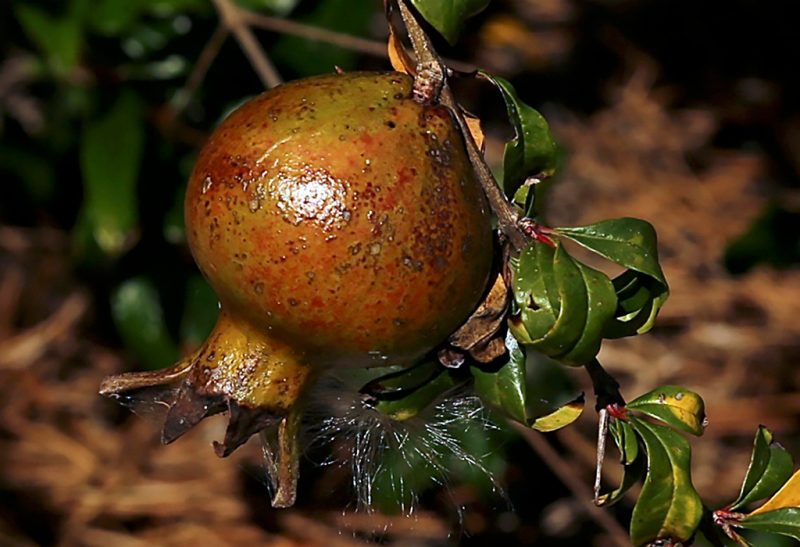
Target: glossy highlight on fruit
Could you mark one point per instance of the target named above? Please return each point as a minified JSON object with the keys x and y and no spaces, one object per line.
{"x":341,"y":225}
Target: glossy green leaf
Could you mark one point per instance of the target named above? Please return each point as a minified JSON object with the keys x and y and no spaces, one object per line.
{"x":504,"y":389}
{"x":668,"y":506}
{"x":561,"y":417}
{"x":136,"y":310}
{"x":533,"y":151}
{"x":674,"y":405}
{"x":448,"y":16}
{"x":639,"y":299}
{"x":562,"y":305}
{"x":626,"y":440}
{"x":633,"y":461}
{"x":631,"y":243}
{"x":600,"y":306}
{"x":200,"y":311}
{"x":59,"y":38}
{"x":785,"y":522}
{"x":787,"y":496}
{"x":770,"y":467}
{"x":111,"y":154}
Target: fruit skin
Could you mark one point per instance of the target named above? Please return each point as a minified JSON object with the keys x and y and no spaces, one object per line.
{"x":341,"y":224}
{"x":341,"y":217}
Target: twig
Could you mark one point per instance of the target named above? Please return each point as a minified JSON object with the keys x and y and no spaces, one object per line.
{"x":602,"y":433}
{"x":231,"y":17}
{"x":284,"y":26}
{"x":376,"y":48}
{"x":507,"y":216}
{"x":204,"y":61}
{"x":579,"y":490}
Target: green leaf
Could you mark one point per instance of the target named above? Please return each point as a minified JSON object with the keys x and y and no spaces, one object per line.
{"x":58,"y":38}
{"x":399,"y":383}
{"x":504,"y":389}
{"x":448,"y":16}
{"x":785,"y":522}
{"x":626,"y":440}
{"x":639,"y":299}
{"x":561,"y":417}
{"x":136,"y":310}
{"x":631,"y":458}
{"x":562,"y":305}
{"x":668,"y":506}
{"x":633,"y":468}
{"x":111,"y":155}
{"x":200,"y":312}
{"x":674,"y":405}
{"x":533,"y":152}
{"x":631,"y":243}
{"x":420,"y":398}
{"x":770,"y":467}
{"x":787,"y":496}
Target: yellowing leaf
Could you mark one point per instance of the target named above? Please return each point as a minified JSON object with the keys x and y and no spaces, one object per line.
{"x":673,"y":405}
{"x":787,"y":496}
{"x":561,"y":417}
{"x":398,"y":56}
{"x":474,"y":126}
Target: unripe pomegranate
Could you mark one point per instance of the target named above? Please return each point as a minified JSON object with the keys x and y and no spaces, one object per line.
{"x":341,"y":225}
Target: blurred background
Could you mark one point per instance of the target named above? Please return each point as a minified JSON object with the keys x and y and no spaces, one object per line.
{"x":683,"y":113}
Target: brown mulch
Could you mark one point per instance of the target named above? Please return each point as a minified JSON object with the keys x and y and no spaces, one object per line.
{"x":89,"y":475}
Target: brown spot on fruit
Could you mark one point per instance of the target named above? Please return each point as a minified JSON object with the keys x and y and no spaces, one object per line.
{"x":327,"y":252}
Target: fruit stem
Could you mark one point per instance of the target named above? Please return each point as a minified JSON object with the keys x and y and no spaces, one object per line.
{"x":429,"y":78}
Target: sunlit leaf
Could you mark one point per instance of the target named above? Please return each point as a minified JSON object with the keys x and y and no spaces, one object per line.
{"x":504,"y":389}
{"x":136,"y":310}
{"x":770,"y":467}
{"x":561,"y":417}
{"x":448,"y":16}
{"x":673,"y":405}
{"x":533,"y":151}
{"x":562,"y":305}
{"x":668,"y":506}
{"x":111,"y":155}
{"x":631,"y":243}
{"x":787,"y":496}
{"x":785,"y":521}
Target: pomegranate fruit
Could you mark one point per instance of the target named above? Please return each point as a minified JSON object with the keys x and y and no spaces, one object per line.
{"x":341,"y":225}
